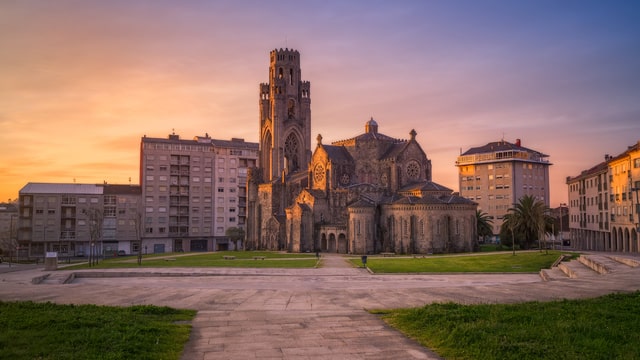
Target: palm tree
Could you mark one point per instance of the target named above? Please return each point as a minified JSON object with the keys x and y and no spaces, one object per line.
{"x":484,"y":224}
{"x":529,"y":217}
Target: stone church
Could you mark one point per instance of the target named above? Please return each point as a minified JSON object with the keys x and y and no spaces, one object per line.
{"x":368,"y":194}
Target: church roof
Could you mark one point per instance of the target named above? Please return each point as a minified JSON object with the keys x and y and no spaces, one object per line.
{"x":394,"y":150}
{"x":432,"y":200}
{"x":338,"y":153}
{"x":370,"y":133}
{"x":425,"y":186}
{"x":317,"y":193}
{"x":369,"y":136}
{"x":361,"y":203}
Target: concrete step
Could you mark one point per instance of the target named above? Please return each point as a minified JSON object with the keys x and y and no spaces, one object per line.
{"x":552,"y":274}
{"x":576,"y":269}
{"x":632,"y":262}
{"x":54,"y":279}
{"x":605,"y":264}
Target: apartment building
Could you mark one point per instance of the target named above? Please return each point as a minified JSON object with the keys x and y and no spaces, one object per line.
{"x":498,"y":174}
{"x":193,"y":191}
{"x":624,"y":175}
{"x":589,"y":226}
{"x":8,"y":228}
{"x":604,"y":204}
{"x":76,"y":219}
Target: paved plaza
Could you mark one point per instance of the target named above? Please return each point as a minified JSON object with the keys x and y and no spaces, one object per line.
{"x":298,"y":313}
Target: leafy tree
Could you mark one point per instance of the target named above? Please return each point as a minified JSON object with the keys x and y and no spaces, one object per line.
{"x":529,"y":219}
{"x":484,"y":224}
{"x":235,"y":234}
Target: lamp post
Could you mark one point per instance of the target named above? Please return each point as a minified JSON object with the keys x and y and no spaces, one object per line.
{"x":635,"y":189}
{"x":513,"y":240}
{"x":562,"y":205}
{"x":12,"y":243}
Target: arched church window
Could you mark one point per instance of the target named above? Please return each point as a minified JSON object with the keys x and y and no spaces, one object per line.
{"x":291,"y":76}
{"x":291,"y":151}
{"x":280,"y":73}
{"x":291,"y":109}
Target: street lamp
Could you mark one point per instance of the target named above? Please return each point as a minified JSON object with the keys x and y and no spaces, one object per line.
{"x":562,"y":205}
{"x":635,"y":189}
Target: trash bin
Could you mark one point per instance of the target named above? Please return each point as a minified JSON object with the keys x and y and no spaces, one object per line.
{"x":51,"y":261}
{"x":364,"y":260}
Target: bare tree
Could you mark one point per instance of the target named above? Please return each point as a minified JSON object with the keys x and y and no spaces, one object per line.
{"x":95,"y":220}
{"x":137,"y":219}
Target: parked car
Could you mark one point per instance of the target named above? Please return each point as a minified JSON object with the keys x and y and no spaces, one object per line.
{"x":122,"y":253}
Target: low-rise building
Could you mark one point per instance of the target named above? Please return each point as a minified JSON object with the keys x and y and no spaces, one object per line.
{"x":76,"y":219}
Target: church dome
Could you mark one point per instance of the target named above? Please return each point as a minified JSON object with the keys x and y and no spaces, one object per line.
{"x":371,"y":126}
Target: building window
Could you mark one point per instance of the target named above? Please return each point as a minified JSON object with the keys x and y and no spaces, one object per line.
{"x":220,"y":190}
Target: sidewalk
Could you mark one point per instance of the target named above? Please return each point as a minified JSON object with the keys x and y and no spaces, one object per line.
{"x":300,"y":313}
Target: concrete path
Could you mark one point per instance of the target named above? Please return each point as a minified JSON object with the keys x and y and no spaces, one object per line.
{"x":300,"y":313}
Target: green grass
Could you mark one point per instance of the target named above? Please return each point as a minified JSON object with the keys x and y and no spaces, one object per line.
{"x":496,"y":247}
{"x":531,"y":261}
{"x":602,"y":328}
{"x":49,"y":331}
{"x":243,"y":259}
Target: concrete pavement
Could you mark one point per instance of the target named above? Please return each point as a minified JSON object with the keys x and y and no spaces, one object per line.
{"x":300,"y":313}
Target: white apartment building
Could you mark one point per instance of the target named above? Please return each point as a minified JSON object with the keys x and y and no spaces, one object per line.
{"x":56,"y":217}
{"x":604,"y":204}
{"x":193,"y":191}
{"x":498,"y":174}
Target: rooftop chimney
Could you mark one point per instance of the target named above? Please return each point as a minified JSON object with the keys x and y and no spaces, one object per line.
{"x":518,"y":142}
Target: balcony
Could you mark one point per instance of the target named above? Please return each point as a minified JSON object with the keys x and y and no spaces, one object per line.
{"x":67,"y":235}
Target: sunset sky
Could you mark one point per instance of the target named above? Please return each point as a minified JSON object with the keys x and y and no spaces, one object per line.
{"x":82,"y":81}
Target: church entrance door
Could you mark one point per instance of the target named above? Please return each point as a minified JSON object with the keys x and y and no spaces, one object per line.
{"x":342,"y":244}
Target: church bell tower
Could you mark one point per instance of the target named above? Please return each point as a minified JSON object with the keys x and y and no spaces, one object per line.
{"x":285,"y":117}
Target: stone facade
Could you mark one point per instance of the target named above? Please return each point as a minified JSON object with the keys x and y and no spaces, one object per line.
{"x":368,"y":194}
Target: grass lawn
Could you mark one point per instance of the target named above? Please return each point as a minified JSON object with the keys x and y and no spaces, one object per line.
{"x":49,"y":331}
{"x":216,"y":259}
{"x":602,"y":328}
{"x":530,"y":261}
